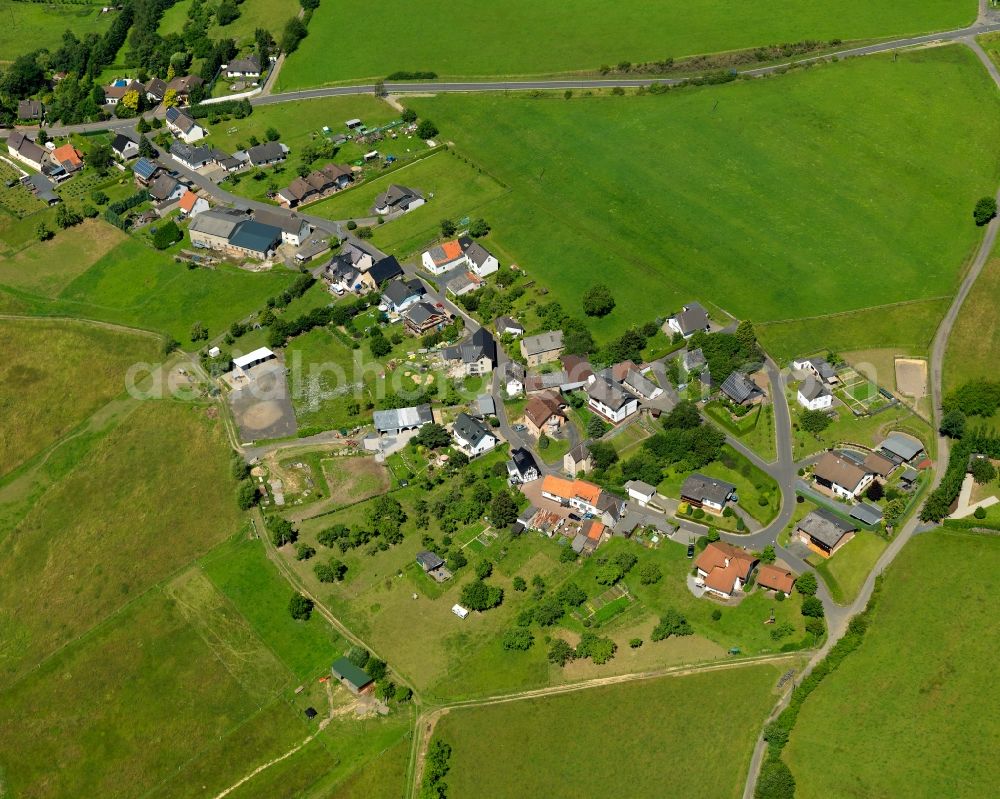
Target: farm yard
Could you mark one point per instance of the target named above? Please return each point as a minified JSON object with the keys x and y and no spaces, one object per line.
{"x":928,"y":649}
{"x":558,"y":214}
{"x":466,"y":40}
{"x":558,"y":746}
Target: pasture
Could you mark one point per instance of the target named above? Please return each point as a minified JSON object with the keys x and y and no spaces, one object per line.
{"x":847,"y":570}
{"x":679,"y":216}
{"x":975,"y":338}
{"x":48,"y":361}
{"x":464,"y":39}
{"x":29,"y":26}
{"x":113,"y":527}
{"x":908,"y":712}
{"x":596,"y":742}
{"x":268,"y":14}
{"x":453,"y":188}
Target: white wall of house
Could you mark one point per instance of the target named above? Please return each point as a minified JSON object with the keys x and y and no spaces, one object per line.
{"x":490,"y":265}
{"x":485,"y":445}
{"x":630,"y":407}
{"x":514,"y":387}
{"x":820,"y":403}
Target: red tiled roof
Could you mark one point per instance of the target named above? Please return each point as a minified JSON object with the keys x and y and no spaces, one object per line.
{"x":769,"y":576}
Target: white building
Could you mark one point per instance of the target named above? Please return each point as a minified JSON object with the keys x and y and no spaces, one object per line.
{"x":244,"y":363}
{"x":641,"y":492}
{"x":472,"y":437}
{"x":814,"y":396}
{"x":610,"y":400}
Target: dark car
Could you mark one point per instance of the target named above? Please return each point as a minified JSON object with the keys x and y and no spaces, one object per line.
{"x":690,"y":550}
{"x":574,"y":517}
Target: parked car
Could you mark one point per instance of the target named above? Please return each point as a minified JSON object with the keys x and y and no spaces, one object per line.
{"x":574,"y":517}
{"x":690,"y":550}
{"x":519,"y":428}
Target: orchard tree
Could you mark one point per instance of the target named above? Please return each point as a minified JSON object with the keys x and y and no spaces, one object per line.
{"x":300,"y":607}
{"x":597,"y":301}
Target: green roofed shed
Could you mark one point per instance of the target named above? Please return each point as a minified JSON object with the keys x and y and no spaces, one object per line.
{"x":350,"y":676}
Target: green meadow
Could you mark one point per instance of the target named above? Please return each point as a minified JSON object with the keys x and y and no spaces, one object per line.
{"x":909,"y":713}
{"x":29,"y":26}
{"x":975,"y":338}
{"x":635,"y":739}
{"x":520,"y":37}
{"x":268,"y":14}
{"x":762,"y":197}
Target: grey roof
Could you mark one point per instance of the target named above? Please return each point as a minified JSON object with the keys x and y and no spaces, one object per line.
{"x":421,"y":313}
{"x":477,"y":253}
{"x":144,"y":168}
{"x":249,"y":63}
{"x":429,"y":560}
{"x":25,"y":146}
{"x":396,"y":195}
{"x":156,"y":87}
{"x":180,"y":120}
{"x":285,"y":221}
{"x":811,"y":389}
{"x":699,"y":487}
{"x":463,"y":283}
{"x":610,"y":504}
{"x":255,"y":236}
{"x":121,"y":142}
{"x":402,"y":418}
{"x":825,"y":527}
{"x":693,"y":359}
{"x":191,"y":154}
{"x":480,"y":345}
{"x":218,"y":222}
{"x":340,"y":268}
{"x":469,"y":429}
{"x":640,"y":486}
{"x":823,"y":366}
{"x":29,"y":109}
{"x":514,"y":371}
{"x":398,"y":291}
{"x":543,"y":342}
{"x":44,"y":188}
{"x":909,"y":474}
{"x":609,"y":393}
{"x":902,"y":446}
{"x":523,"y":461}
{"x":693,"y":317}
{"x":739,"y":388}
{"x":313,"y":246}
{"x":266,"y":153}
{"x":639,"y":383}
{"x":486,"y":405}
{"x":579,"y":453}
{"x":507,"y":322}
{"x":869,"y":514}
{"x":385,"y":269}
{"x":162,"y":187}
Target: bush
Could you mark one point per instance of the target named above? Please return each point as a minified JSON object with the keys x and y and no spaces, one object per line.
{"x":300,"y":607}
{"x":716,"y":614}
{"x":650,"y":573}
{"x":775,"y":781}
{"x":985,"y":210}
{"x":519,"y":584}
{"x":518,"y":639}
{"x":812,"y":607}
{"x":635,"y":643}
{"x":597,"y":301}
{"x":979,"y":513}
{"x":304,"y":552}
{"x":427,"y":129}
{"x":166,"y":234}
{"x":671,"y":623}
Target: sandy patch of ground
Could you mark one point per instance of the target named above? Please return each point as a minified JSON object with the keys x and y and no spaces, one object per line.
{"x":911,"y":376}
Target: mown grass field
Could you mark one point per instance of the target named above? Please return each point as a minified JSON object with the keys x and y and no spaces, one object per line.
{"x":29,"y":26}
{"x":909,"y":713}
{"x":268,"y":14}
{"x":129,"y":515}
{"x":465,"y":39}
{"x":635,"y":738}
{"x":847,"y":570}
{"x":48,"y":362}
{"x":459,"y":190}
{"x":975,"y":338}
{"x":757,"y":196}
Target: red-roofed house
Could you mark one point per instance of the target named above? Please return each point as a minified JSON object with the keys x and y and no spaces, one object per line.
{"x":190,"y":204}
{"x":775,"y":578}
{"x":68,"y":157}
{"x":724,"y":569}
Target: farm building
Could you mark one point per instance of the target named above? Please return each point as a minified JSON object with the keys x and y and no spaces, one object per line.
{"x":244,"y":363}
{"x":354,"y":679}
{"x":395,"y":421}
{"x":824,"y":533}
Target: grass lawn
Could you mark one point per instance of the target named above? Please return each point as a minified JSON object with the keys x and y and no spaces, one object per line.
{"x":458,"y":190}
{"x":975,"y":338}
{"x":268,"y":14}
{"x":113,"y":527}
{"x":818,"y":132}
{"x":135,"y":285}
{"x":922,"y":726}
{"x":865,"y":430}
{"x":593,"y":742}
{"x":847,"y":570}
{"x":465,"y":39}
{"x":30,"y":26}
{"x":755,"y":430}
{"x":48,"y":361}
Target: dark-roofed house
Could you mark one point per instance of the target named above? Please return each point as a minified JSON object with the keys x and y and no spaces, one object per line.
{"x":723,"y":569}
{"x":610,"y":400}
{"x":824,"y":532}
{"x":353,"y":678}
{"x":543,"y":348}
{"x":397,"y":199}
{"x":183,"y":85}
{"x":381,"y":271}
{"x":29,"y":110}
{"x":901,"y":448}
{"x":639,"y":384}
{"x":294,"y":229}
{"x":512,"y":377}
{"x":693,"y":360}
{"x":255,"y":239}
{"x":879,"y":465}
{"x":840,"y":477}
{"x":155,"y":89}
{"x":706,"y":492}
{"x":213,"y":228}
{"x":689,"y":321}
{"x":477,"y":356}
{"x":165,"y":189}
{"x":481,"y":261}
{"x":813,"y":395}
{"x":124,"y":148}
{"x":463,"y":283}
{"x":577,"y":460}
{"x":144,"y":170}
{"x":422,"y":316}
{"x":741,"y":389}
{"x":270,"y":152}
{"x":25,"y":150}
{"x":43,"y":189}
{"x":395,"y":421}
{"x":183,"y":126}
{"x":485,"y":406}
{"x":191,"y":157}
{"x":521,"y":468}
{"x":471,"y":436}
{"x":545,"y":413}
{"x":246,"y":67}
{"x":508,"y":325}
{"x":401,"y":294}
